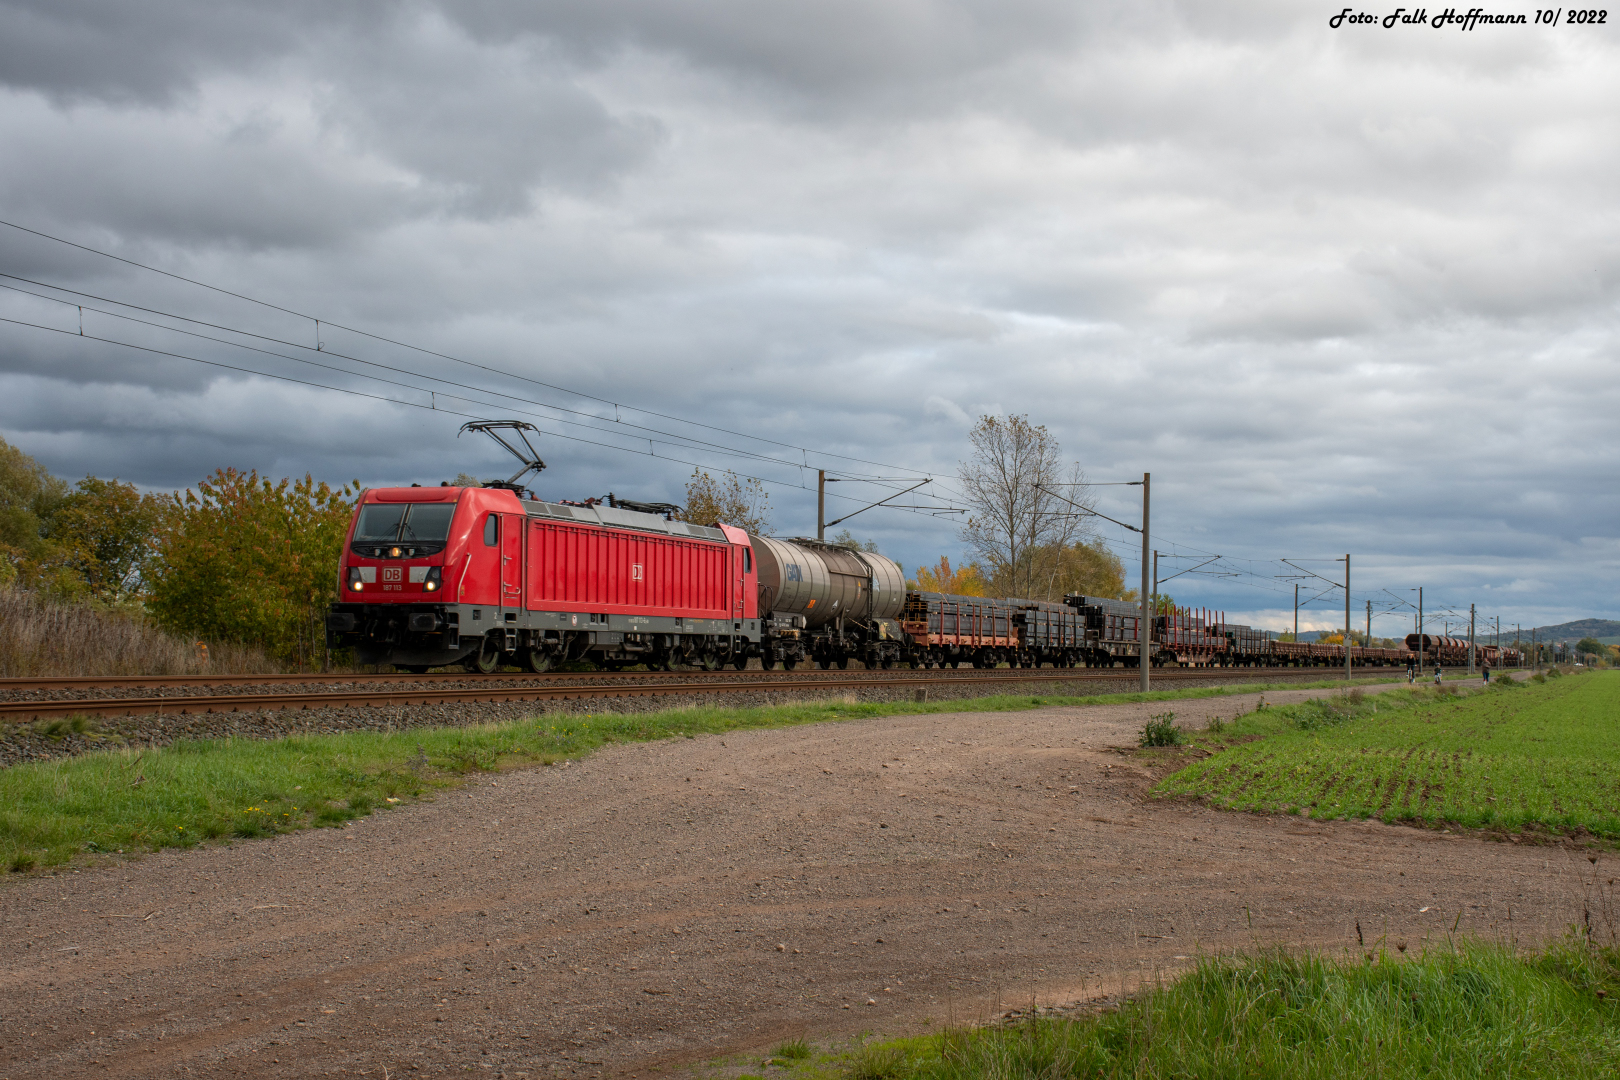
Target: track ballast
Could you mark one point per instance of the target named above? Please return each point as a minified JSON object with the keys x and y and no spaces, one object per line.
{"x":212,"y":693}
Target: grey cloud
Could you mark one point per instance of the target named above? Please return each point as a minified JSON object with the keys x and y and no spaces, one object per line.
{"x":77,"y":50}
{"x":174,"y":177}
{"x":489,"y":121}
{"x":334,"y":127}
{"x":815,"y":52}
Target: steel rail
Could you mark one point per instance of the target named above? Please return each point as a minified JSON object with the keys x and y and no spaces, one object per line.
{"x":94,"y":682}
{"x":209,"y":703}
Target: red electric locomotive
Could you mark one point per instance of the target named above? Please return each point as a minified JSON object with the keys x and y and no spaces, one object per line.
{"x":437,"y":576}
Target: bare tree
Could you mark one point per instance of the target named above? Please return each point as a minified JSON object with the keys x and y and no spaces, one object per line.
{"x":741,"y":503}
{"x":1015,"y":487}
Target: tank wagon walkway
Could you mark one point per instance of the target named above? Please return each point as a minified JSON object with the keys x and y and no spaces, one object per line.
{"x":661,"y":903}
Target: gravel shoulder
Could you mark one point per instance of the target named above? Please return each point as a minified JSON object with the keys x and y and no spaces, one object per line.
{"x":661,"y":903}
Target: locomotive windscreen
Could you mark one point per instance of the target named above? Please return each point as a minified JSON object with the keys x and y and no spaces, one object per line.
{"x":392,"y":523}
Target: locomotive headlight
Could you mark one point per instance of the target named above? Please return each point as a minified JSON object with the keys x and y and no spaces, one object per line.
{"x":394,"y":553}
{"x":354,"y":579}
{"x":435,"y":578}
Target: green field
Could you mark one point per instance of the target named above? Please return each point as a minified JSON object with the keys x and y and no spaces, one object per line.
{"x":125,"y":801}
{"x":1475,"y":1010}
{"x":1542,"y":756}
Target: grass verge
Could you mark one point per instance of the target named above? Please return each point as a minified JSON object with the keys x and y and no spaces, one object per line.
{"x":141,"y":800}
{"x":1538,"y":755}
{"x":1471,"y":1010}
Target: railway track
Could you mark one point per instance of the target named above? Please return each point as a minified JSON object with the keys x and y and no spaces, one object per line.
{"x":426,"y":689}
{"x":93,"y":682}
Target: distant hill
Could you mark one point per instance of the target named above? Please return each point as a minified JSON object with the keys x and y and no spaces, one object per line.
{"x":1574,"y":631}
{"x":1605,"y":630}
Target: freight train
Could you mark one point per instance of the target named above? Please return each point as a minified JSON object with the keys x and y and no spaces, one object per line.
{"x":1453,"y":652}
{"x":486,"y":579}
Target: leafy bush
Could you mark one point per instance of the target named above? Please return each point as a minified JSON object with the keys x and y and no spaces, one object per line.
{"x":70,"y":543}
{"x":245,"y":559}
{"x":1161,"y":730}
{"x":240,"y":559}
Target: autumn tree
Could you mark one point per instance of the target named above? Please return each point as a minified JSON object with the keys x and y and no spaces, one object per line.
{"x":1024,"y":506}
{"x":251,"y":561}
{"x":102,"y":540}
{"x":967,"y":580}
{"x":67,"y":542}
{"x":29,"y":495}
{"x":1591,"y":646}
{"x":1084,"y":567}
{"x":741,"y":503}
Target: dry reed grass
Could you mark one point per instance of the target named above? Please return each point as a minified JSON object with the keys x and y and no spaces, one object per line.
{"x":42,"y":637}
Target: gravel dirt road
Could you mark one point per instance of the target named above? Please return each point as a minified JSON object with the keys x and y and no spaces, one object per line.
{"x":659,"y":904}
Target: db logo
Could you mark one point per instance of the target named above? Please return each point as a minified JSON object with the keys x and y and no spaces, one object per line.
{"x":393,"y":573}
{"x":636,"y":573}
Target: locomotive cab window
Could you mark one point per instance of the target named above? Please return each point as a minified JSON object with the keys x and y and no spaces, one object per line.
{"x":748,"y":560}
{"x":422,"y":528}
{"x":492,"y":530}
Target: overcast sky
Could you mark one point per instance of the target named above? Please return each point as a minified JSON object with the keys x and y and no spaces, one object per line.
{"x":1339,"y":290}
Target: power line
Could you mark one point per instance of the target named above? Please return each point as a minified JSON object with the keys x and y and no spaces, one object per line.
{"x":382,"y":398}
{"x":684,"y":440}
{"x":430,"y":352}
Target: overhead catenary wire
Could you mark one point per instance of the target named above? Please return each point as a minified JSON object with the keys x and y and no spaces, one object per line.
{"x":683,"y":439}
{"x":362,"y":394}
{"x":319,"y":346}
{"x":432,"y":352}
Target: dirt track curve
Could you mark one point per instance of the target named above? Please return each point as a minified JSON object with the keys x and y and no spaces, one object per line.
{"x":661,"y":903}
